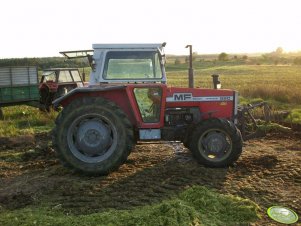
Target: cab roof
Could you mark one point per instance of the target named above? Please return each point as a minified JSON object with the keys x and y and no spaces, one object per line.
{"x":89,"y":53}
{"x":154,"y":46}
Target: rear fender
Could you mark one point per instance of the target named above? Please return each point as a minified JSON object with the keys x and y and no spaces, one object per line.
{"x":116,"y":94}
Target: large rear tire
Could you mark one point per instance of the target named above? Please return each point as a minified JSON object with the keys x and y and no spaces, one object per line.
{"x":216,"y":143}
{"x":93,"y":135}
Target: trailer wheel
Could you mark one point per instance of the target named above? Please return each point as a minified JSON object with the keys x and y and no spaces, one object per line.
{"x":216,"y":143}
{"x":93,"y":135}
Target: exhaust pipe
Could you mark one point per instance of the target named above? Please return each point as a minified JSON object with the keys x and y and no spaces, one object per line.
{"x":216,"y":82}
{"x":190,"y":70}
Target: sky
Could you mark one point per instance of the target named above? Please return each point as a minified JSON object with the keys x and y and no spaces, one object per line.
{"x":42,"y":28}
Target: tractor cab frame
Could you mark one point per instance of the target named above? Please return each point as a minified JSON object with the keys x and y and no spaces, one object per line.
{"x":124,"y":63}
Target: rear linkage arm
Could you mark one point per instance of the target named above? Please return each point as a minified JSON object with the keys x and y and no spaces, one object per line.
{"x":246,"y":119}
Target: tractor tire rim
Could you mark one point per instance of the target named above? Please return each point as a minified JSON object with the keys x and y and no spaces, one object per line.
{"x":215,"y":145}
{"x":92,"y":138}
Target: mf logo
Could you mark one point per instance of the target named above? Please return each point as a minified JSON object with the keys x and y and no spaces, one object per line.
{"x":182,"y":96}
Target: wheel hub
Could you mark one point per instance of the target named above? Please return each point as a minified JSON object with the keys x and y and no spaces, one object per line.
{"x":93,"y":137}
{"x":215,"y":143}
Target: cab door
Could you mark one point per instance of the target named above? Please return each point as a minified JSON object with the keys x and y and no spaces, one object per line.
{"x":148,"y":103}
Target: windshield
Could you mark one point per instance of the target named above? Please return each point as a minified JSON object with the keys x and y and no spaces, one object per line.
{"x":129,"y":65}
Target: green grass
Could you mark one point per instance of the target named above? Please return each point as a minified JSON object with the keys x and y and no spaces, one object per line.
{"x":195,"y":206}
{"x":295,"y":116}
{"x":21,"y":120}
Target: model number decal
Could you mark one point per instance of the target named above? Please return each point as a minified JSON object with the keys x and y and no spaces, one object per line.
{"x":226,"y":98}
{"x":178,"y":97}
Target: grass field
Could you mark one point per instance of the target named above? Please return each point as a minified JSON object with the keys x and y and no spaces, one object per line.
{"x":269,"y":82}
{"x":22,"y":120}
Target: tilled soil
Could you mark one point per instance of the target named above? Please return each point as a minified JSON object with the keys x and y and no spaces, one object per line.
{"x":268,"y":172}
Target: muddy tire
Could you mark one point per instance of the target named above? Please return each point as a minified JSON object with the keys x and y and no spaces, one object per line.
{"x":216,"y":143}
{"x":92,"y":135}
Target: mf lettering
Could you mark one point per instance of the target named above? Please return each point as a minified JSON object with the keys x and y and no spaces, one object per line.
{"x":182,"y":96}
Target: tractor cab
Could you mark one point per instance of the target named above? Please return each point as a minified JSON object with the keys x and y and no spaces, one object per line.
{"x":124,"y":63}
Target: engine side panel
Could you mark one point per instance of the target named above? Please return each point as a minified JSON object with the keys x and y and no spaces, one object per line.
{"x":212,"y":103}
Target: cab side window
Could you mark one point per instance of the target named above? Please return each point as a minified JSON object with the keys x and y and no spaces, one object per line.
{"x":149,"y":103}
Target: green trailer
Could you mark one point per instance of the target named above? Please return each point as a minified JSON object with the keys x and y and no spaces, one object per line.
{"x":19,"y":85}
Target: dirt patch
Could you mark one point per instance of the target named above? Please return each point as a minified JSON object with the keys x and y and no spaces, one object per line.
{"x":14,"y":142}
{"x":23,"y":141}
{"x":268,"y":173}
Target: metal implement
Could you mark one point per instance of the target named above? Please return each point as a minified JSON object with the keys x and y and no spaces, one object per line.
{"x":247,"y":122}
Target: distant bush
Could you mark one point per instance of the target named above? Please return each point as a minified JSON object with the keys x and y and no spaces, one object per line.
{"x":43,"y":62}
{"x":223,"y":56}
{"x":177,"y":61}
{"x":244,"y":57}
{"x":297,"y":61}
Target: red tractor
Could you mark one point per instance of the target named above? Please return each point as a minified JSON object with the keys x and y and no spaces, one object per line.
{"x":128,"y":100}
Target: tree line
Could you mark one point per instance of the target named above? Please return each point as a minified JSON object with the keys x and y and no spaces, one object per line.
{"x":276,"y":57}
{"x":44,"y":62}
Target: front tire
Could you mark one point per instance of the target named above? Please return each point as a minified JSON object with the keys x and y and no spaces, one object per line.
{"x":93,"y":135}
{"x":216,"y":143}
